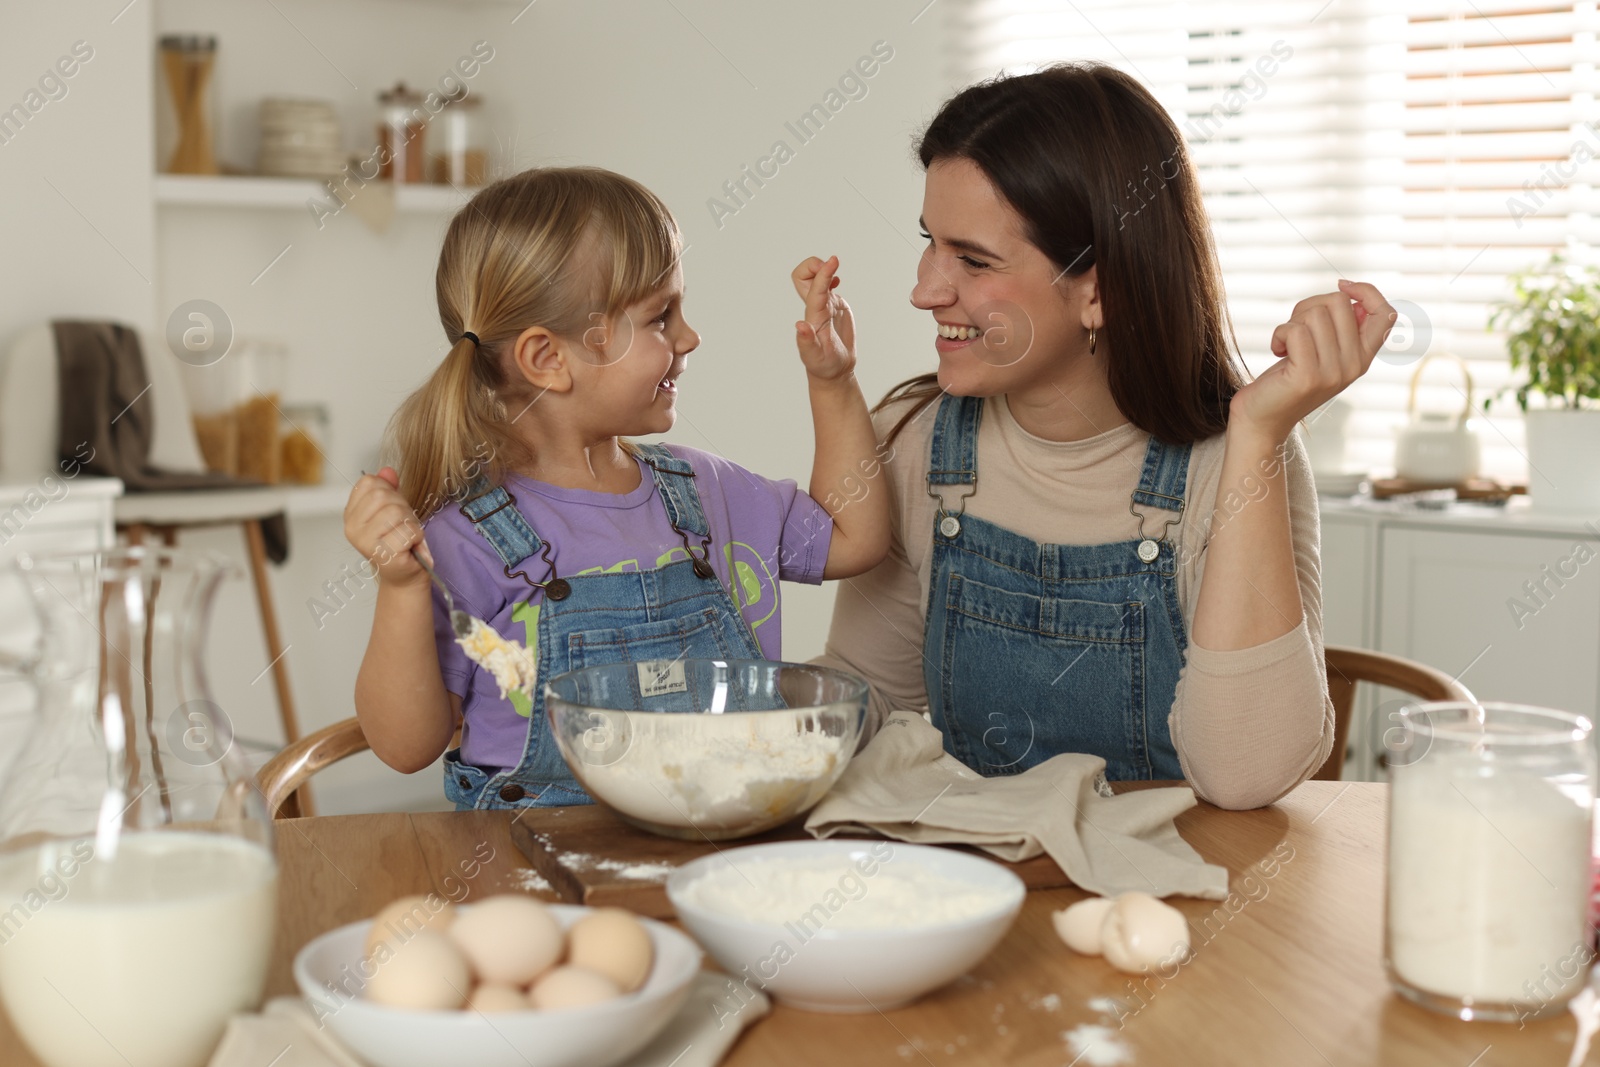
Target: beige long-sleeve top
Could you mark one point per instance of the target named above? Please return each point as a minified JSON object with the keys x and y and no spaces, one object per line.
{"x":1248,"y":724}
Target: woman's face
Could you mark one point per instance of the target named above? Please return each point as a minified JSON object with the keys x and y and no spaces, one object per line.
{"x":1017,"y":319}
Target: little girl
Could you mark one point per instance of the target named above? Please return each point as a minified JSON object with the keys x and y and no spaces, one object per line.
{"x":561,"y":293}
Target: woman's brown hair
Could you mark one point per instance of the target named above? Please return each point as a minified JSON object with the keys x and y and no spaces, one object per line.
{"x":1100,"y":176}
{"x":567,"y":248}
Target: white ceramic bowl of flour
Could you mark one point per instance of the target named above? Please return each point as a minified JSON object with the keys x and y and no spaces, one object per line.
{"x":846,"y":925}
{"x":706,"y":749}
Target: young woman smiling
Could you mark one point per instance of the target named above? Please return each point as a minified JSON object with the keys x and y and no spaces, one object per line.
{"x":1105,"y":539}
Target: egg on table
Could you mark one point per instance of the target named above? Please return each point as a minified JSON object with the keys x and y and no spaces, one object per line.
{"x":1079,"y":925}
{"x":1134,"y":931}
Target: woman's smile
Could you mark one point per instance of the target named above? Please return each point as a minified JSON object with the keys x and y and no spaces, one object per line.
{"x":955,"y":335}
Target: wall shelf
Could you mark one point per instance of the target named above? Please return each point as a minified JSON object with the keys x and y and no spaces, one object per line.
{"x":188,"y":190}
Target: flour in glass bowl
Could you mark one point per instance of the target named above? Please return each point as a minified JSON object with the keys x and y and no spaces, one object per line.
{"x":717,"y":770}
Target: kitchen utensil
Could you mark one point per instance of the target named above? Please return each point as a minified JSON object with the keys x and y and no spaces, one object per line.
{"x":834,"y":967}
{"x":327,"y":971}
{"x":137,"y":874}
{"x":706,"y":749}
{"x":1437,"y":448}
{"x":460,"y":621}
{"x":189,"y":116}
{"x":1490,"y":821}
{"x":402,"y":130}
{"x":299,"y":138}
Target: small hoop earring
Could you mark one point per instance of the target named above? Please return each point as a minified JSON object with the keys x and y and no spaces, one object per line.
{"x":1091,"y":340}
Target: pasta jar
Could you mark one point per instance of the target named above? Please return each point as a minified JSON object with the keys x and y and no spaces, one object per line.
{"x":460,"y":157}
{"x":1490,"y":826}
{"x":402,"y":130}
{"x":304,"y":430}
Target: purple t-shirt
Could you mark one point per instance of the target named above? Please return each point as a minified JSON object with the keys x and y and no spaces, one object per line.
{"x":763,"y":530}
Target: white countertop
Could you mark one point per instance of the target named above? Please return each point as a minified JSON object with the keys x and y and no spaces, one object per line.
{"x":1516,"y":515}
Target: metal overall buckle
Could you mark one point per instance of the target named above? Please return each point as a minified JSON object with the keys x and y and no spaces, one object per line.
{"x":1148,"y":550}
{"x":950,"y":525}
{"x":554,"y":588}
{"x":702,"y":562}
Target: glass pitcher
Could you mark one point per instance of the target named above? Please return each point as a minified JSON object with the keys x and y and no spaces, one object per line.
{"x":138,"y":886}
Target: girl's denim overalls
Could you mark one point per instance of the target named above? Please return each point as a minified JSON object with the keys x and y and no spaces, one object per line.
{"x":1031,"y":650}
{"x":668,"y":613}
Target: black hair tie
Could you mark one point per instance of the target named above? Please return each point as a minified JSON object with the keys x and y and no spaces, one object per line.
{"x":470,"y":336}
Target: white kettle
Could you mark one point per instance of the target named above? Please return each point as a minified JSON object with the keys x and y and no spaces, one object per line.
{"x":1436,"y":448}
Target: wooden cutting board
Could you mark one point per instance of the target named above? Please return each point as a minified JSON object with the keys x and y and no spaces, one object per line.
{"x":589,"y":856}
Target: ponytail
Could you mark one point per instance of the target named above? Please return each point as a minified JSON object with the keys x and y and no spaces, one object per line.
{"x":451,"y":430}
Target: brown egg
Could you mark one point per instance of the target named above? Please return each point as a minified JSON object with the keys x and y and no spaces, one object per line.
{"x":426,"y":973}
{"x":571,"y":987}
{"x":612,"y":942}
{"x":508,"y":939}
{"x":405,"y":916}
{"x":489,"y":998}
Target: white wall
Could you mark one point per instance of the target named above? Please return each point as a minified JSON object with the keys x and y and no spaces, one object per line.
{"x":677,"y":95}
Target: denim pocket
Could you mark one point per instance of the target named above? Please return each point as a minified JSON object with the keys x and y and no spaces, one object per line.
{"x":1024,"y":677}
{"x":462,"y":782}
{"x":700,"y":635}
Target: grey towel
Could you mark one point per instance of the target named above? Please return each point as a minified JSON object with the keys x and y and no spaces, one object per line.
{"x":106,"y":404}
{"x":904,"y":785}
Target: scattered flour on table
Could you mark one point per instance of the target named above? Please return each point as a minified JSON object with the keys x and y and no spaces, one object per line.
{"x":717,"y":769}
{"x":901,"y":895}
{"x":641,"y":872}
{"x":530,"y":879}
{"x":1106,"y":1005}
{"x":1096,"y":1046}
{"x":1048,"y":1002}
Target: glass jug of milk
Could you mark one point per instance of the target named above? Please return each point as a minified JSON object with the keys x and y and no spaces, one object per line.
{"x":1490,"y":824}
{"x":138,"y":886}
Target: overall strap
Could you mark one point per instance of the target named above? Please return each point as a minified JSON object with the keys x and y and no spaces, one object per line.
{"x":1166,"y":470}
{"x":675,"y":481}
{"x":953,"y":459}
{"x":494,"y":514}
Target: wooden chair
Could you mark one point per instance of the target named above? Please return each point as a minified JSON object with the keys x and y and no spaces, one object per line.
{"x":282,"y":775}
{"x":1347,"y":666}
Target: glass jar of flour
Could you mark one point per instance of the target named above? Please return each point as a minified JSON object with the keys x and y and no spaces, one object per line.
{"x":1489,"y":859}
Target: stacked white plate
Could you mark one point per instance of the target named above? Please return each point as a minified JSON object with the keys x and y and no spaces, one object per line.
{"x":299,"y":138}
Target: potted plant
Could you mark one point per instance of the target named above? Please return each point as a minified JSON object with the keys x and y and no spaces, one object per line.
{"x":1553,"y":324}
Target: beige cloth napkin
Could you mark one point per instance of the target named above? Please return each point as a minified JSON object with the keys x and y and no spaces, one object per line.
{"x":287,"y":1034}
{"x":903,"y":785}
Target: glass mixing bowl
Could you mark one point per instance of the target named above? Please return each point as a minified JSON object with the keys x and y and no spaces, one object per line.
{"x":706,"y":749}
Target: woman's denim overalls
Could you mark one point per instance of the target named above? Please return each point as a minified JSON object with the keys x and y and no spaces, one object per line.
{"x":679,"y":610}
{"x":1032,"y":650}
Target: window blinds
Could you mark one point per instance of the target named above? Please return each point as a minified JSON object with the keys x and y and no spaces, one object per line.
{"x":1432,"y":147}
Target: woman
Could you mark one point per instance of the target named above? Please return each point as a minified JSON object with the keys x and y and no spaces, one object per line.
{"x":1105,"y":540}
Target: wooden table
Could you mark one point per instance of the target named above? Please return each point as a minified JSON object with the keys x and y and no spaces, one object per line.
{"x":1287,"y":971}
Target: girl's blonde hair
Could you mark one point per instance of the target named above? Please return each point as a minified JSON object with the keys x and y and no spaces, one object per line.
{"x":566,"y":248}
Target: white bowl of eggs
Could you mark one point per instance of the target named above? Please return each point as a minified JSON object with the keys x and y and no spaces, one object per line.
{"x":504,"y":982}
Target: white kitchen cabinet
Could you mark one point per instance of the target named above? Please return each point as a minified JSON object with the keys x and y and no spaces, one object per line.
{"x":1507,"y":600}
{"x":1348,"y":596}
{"x":54,"y":515}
